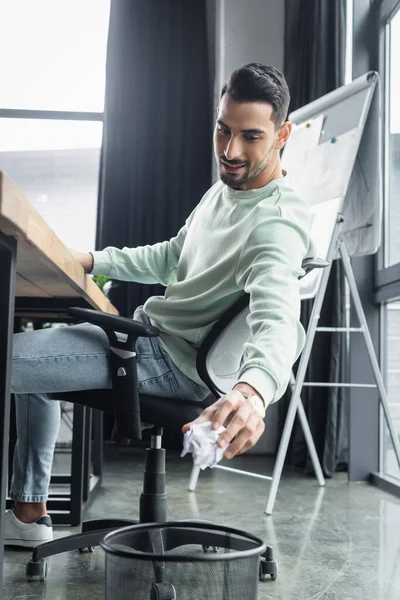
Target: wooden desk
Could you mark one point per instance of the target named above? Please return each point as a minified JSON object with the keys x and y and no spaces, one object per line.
{"x":38,"y":275}
{"x":45,"y":271}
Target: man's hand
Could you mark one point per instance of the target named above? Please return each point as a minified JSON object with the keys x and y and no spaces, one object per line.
{"x":85,"y":259}
{"x":241,"y":417}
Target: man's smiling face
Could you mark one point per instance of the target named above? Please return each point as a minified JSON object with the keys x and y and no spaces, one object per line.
{"x":244,"y":142}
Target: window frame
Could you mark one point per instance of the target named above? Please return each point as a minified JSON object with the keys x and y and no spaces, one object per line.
{"x":387,"y":277}
{"x":59,"y":115}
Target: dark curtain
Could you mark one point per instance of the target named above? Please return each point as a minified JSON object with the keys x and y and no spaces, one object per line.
{"x":156,"y":156}
{"x":314,"y":66}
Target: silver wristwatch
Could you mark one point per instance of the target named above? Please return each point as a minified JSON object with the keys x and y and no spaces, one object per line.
{"x":257,"y":402}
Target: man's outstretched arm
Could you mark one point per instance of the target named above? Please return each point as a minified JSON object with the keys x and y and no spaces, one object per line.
{"x":156,"y":263}
{"x":268,"y":270}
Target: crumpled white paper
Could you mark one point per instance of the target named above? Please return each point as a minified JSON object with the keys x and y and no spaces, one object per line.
{"x":201,"y":442}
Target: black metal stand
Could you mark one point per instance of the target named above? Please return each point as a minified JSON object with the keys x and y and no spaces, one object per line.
{"x":8,"y":253}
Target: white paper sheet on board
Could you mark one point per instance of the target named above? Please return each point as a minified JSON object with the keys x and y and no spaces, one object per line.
{"x":322,"y":172}
{"x":328,"y":168}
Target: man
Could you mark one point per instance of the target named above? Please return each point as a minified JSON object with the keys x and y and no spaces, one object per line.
{"x":250,"y":232}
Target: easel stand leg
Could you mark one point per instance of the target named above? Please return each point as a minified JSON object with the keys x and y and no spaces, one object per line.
{"x":296,"y":392}
{"x":301,"y":413}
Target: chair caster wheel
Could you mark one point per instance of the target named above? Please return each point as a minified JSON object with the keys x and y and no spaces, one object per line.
{"x":87,"y":549}
{"x":36,"y":570}
{"x":162,"y":591}
{"x":209,"y":549}
{"x":267,"y":567}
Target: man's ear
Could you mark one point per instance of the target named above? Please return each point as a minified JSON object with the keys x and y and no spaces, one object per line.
{"x":283,"y":134}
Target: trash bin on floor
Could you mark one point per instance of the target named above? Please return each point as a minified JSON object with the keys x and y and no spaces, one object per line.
{"x":182,"y":560}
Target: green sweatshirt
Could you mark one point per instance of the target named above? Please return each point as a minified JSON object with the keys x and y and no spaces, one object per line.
{"x":234,"y":240}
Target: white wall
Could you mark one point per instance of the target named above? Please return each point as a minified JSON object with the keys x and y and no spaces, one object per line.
{"x":247,"y":31}
{"x":251,"y":31}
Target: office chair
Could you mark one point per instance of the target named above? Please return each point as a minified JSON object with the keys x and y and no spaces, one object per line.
{"x":133,"y":413}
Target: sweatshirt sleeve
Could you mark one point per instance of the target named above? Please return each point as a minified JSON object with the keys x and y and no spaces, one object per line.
{"x":156,"y":263}
{"x":268,"y":270}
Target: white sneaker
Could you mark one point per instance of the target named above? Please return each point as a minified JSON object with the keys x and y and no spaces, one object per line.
{"x":27,"y":535}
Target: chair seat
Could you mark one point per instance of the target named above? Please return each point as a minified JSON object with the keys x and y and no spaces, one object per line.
{"x":157,"y":410}
{"x":169,"y":412}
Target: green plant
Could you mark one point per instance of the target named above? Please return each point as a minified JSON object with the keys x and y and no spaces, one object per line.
{"x":104,"y":283}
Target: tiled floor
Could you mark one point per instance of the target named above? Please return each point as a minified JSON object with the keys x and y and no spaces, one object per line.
{"x":337,"y":543}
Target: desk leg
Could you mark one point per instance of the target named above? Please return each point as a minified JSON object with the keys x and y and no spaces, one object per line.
{"x":8,"y":252}
{"x":98,"y":443}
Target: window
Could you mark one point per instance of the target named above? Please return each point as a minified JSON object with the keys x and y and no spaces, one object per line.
{"x":56,"y":165}
{"x":392,"y":361}
{"x":387,"y":282}
{"x":57,"y":64}
{"x":392,"y":143}
{"x":52,"y":54}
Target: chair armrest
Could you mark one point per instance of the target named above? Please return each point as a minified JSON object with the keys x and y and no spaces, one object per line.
{"x":122,"y":366}
{"x":120,"y":324}
{"x":314,"y":263}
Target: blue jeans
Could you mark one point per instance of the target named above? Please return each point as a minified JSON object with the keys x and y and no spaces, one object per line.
{"x":68,"y":359}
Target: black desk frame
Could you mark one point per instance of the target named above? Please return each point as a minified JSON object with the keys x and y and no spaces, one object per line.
{"x":8,"y":262}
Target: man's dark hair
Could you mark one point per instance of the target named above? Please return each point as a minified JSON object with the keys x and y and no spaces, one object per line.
{"x":256,"y":82}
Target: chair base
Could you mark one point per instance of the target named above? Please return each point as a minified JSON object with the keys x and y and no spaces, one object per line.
{"x":91,"y":535}
{"x":152,"y":509}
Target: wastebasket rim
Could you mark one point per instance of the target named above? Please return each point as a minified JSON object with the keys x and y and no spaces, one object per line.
{"x":209,"y":557}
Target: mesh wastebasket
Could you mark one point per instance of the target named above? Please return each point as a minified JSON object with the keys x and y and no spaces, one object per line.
{"x":181,"y":561}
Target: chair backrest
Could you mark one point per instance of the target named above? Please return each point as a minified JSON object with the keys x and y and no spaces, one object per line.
{"x":220,"y":355}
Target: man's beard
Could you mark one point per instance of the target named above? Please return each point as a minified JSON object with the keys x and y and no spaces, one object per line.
{"x":248,"y":174}
{"x":231,"y":180}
